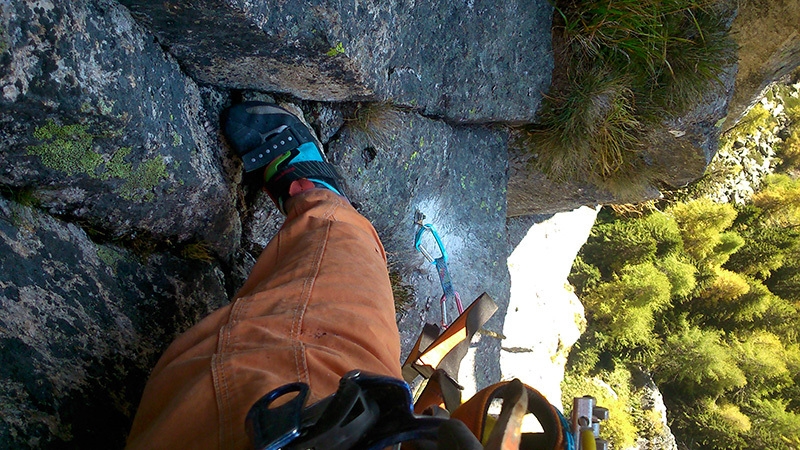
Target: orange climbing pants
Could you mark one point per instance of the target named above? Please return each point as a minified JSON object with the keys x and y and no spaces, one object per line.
{"x":318,"y":303}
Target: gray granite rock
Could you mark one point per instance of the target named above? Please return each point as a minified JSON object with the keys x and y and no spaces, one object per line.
{"x":769,"y":50}
{"x":104,"y":127}
{"x":675,"y":154}
{"x":690,"y":140}
{"x":467,"y":61}
{"x":456,"y":177}
{"x":82,"y":326}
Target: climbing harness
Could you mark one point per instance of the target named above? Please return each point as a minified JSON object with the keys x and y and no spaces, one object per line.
{"x":366,"y":412}
{"x":374,"y":412}
{"x":450,"y":293}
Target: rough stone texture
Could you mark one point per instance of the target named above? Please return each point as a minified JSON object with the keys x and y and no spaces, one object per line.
{"x":769,"y":48}
{"x":689,"y":141}
{"x":676,"y":154}
{"x":652,"y":404}
{"x":472,"y":61}
{"x":753,"y":156}
{"x":82,"y":326}
{"x":456,"y":178}
{"x":104,"y":127}
{"x":532,"y":192}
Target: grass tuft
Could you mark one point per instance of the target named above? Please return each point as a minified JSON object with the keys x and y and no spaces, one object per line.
{"x":591,"y":124}
{"x":402,"y":292}
{"x":197,"y":251}
{"x":379,"y":122}
{"x":25,"y":196}
{"x":625,"y":66}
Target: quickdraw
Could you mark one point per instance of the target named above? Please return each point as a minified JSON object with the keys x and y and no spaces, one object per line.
{"x":450,"y":294}
{"x":373,"y":412}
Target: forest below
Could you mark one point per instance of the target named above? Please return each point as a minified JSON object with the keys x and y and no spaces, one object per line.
{"x":699,"y":293}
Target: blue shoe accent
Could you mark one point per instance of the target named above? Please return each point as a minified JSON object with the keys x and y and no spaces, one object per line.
{"x":269,"y":138}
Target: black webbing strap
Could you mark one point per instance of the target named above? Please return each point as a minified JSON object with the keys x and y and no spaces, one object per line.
{"x":278,"y":144}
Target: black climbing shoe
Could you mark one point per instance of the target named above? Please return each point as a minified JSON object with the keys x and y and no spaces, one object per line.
{"x":266,"y":135}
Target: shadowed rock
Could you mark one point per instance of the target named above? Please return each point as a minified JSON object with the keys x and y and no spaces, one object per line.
{"x":473,"y":61}
{"x":102,"y":125}
{"x":82,"y":326}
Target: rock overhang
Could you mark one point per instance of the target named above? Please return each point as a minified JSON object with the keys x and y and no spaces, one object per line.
{"x":466,"y":62}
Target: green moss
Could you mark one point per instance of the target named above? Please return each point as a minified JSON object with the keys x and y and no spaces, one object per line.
{"x":334,"y":51}
{"x":3,"y":39}
{"x":139,"y":186}
{"x":109,"y":256}
{"x":177,"y":140}
{"x":105,"y":107}
{"x":66,"y":148}
{"x":69,"y":149}
{"x":117,"y":167}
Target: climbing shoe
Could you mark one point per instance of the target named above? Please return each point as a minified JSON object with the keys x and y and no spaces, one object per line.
{"x":270,"y":138}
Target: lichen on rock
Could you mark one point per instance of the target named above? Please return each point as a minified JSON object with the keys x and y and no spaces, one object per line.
{"x":66,"y":148}
{"x":102,"y":123}
{"x":82,"y":327}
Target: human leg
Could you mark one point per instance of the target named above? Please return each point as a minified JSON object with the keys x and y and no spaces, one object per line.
{"x":317,"y":304}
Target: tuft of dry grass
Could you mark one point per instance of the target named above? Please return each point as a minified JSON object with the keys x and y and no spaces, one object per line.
{"x":587,"y":130}
{"x":197,"y":251}
{"x":402,"y":292}
{"x":379,"y":122}
{"x":625,"y":66}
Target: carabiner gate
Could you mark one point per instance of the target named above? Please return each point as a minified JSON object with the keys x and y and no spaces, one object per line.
{"x":418,"y":243}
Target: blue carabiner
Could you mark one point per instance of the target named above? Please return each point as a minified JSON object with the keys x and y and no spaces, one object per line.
{"x":421,"y":249}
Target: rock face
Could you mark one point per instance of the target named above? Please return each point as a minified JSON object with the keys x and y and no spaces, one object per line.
{"x":103,"y":126}
{"x":676,"y":153}
{"x":656,"y":433}
{"x":532,"y":192}
{"x":472,"y":61}
{"x":455,"y":177}
{"x":769,"y":49}
{"x":82,"y":326}
{"x":102,"y":132}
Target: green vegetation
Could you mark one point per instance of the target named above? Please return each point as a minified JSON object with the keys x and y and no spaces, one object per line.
{"x":790,"y":151}
{"x":626,"y":66}
{"x":25,"y":196}
{"x":70,"y":149}
{"x":110,"y":256}
{"x":705,"y":298}
{"x":3,"y":38}
{"x":614,"y":393}
{"x":757,"y":118}
{"x":198,"y":251}
{"x":334,"y":51}
{"x":66,"y":148}
{"x":402,"y":292}
{"x":379,"y":122}
{"x":139,"y":184}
